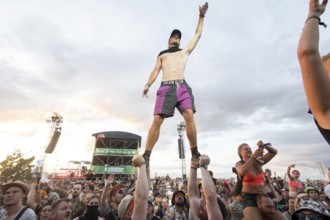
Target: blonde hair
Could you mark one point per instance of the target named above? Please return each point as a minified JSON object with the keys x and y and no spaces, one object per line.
{"x":240,"y":147}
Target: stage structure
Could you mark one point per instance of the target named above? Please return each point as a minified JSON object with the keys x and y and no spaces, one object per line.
{"x":55,"y":129}
{"x":113,"y":154}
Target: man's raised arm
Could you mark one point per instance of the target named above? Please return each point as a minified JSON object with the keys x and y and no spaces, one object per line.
{"x":192,"y":44}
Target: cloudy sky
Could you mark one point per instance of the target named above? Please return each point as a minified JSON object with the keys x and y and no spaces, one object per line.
{"x":89,"y":61}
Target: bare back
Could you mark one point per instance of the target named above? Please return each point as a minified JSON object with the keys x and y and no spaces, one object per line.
{"x":173,"y":65}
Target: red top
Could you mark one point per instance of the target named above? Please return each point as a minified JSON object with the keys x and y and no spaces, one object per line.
{"x":251,"y":179}
{"x":295,"y":185}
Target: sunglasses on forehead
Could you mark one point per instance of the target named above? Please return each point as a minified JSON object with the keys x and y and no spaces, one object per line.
{"x":311,"y":216}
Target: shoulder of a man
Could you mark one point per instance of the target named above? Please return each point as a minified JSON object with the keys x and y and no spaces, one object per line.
{"x":29,"y":214}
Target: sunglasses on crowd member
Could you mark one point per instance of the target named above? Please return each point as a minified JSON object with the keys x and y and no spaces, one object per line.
{"x":312,"y":216}
{"x":122,"y":191}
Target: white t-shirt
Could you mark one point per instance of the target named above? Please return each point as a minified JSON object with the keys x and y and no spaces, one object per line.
{"x":28,"y":214}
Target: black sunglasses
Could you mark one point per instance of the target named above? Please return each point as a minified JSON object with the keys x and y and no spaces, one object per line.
{"x":121,"y":191}
{"x":312,"y":216}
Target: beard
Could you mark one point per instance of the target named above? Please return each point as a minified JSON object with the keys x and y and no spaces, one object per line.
{"x":175,"y":44}
{"x":180,"y":203}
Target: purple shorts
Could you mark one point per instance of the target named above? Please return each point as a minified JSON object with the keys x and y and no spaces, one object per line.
{"x":174,"y":94}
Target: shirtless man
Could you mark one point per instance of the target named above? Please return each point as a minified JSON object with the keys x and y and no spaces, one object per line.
{"x":174,"y":91}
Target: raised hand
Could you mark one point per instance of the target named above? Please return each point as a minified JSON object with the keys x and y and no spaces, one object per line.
{"x":138,"y":161}
{"x":203,"y":9}
{"x":315,"y":8}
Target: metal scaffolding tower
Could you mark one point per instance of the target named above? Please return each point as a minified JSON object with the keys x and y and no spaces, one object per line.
{"x":181,"y":128}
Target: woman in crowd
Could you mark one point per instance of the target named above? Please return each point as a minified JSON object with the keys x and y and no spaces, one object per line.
{"x":249,"y":168}
{"x":269,"y":188}
{"x":295,"y":185}
{"x":315,"y":70}
{"x":45,"y":211}
{"x":91,"y":209}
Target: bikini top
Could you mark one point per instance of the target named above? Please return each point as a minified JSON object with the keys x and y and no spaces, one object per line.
{"x":251,"y":179}
{"x":295,"y":185}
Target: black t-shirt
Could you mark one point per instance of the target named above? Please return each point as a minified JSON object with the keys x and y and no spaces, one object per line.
{"x":281,"y":205}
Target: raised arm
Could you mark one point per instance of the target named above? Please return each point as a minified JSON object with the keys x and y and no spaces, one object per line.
{"x":212,"y":207}
{"x":271,"y":152}
{"x":33,"y":197}
{"x":104,"y":205}
{"x":193,"y":193}
{"x":314,"y":74}
{"x":192,"y":44}
{"x":141,"y":189}
{"x":288,"y":172}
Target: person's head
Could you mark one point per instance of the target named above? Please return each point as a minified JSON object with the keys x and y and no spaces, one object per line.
{"x":150,"y":209}
{"x":92,"y":205}
{"x":86,"y":197}
{"x":50,"y":198}
{"x":175,"y":37}
{"x":45,"y":211}
{"x":244,"y":150}
{"x":285,"y":193}
{"x":225,"y":193}
{"x":295,"y":174}
{"x":179,"y":198}
{"x":14,"y":193}
{"x":322,"y":196}
{"x":236,"y":196}
{"x":118,"y":193}
{"x":61,"y":209}
{"x":164,"y":202}
{"x":266,"y":205}
{"x":312,"y":192}
{"x":268,"y":173}
{"x":76,"y":190}
{"x":157,"y":197}
{"x":290,"y":202}
{"x":126,"y":208}
{"x":308,"y":209}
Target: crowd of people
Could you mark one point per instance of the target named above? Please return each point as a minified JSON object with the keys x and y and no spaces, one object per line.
{"x":262,"y":195}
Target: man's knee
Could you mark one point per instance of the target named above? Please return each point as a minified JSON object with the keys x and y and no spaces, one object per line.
{"x":188,"y":114}
{"x":158,"y":120}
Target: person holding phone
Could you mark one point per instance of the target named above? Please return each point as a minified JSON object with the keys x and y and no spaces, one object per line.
{"x":249,"y":168}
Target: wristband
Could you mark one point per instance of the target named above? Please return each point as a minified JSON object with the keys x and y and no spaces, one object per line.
{"x":318,"y":18}
{"x":201,"y":16}
{"x":147,"y":85}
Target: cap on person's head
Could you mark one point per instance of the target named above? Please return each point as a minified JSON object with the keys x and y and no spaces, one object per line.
{"x":284,"y":189}
{"x":17,"y":183}
{"x":311,"y":188}
{"x":116,"y":189}
{"x":122,"y":208}
{"x":311,"y":205}
{"x":176,"y":32}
